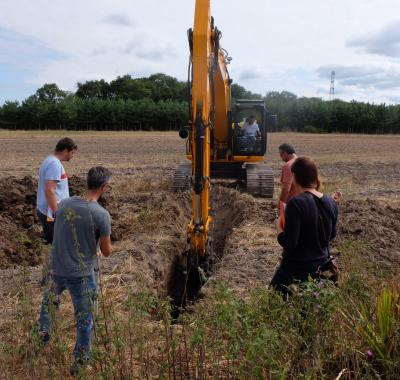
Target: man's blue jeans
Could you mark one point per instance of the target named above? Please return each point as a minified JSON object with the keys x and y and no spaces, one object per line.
{"x":83,"y":295}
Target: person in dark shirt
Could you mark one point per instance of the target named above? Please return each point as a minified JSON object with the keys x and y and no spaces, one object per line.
{"x":310,"y":223}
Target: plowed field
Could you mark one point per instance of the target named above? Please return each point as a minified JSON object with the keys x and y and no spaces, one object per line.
{"x":149,"y":221}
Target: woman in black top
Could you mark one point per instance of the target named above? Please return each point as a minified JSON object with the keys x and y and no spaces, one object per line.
{"x":310,"y":223}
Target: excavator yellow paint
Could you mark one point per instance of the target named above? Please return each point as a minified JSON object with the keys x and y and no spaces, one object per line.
{"x":211,"y":102}
{"x":217,"y":146}
{"x":198,"y":228}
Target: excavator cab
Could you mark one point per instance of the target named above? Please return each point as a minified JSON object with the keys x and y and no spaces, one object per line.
{"x":249,"y":128}
{"x":240,"y":157}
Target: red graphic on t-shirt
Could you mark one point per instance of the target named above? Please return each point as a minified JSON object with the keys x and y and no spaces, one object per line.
{"x":64,"y":176}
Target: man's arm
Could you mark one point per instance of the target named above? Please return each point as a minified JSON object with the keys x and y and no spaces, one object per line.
{"x":286,"y":183}
{"x":105,"y":246}
{"x":50,"y":192}
{"x":104,"y":225}
{"x":285,"y":190}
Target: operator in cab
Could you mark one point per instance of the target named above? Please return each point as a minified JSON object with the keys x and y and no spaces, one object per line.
{"x":251,"y":131}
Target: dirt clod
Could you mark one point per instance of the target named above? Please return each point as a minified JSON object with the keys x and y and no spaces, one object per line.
{"x":21,"y":236}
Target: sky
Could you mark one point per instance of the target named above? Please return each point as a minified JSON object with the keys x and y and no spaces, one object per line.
{"x":275,"y":45}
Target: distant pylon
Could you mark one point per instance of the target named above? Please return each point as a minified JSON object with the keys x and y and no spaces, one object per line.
{"x":332,"y":88}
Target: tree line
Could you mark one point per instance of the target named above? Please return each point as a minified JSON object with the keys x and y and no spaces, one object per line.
{"x":157,"y":102}
{"x":160,"y":102}
{"x":316,"y":115}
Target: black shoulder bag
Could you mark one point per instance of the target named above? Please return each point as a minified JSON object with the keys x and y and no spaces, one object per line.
{"x":324,"y":237}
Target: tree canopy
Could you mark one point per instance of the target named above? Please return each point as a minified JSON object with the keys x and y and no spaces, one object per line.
{"x":161,"y":102}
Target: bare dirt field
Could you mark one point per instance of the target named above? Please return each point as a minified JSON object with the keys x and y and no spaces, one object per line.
{"x":149,"y":220}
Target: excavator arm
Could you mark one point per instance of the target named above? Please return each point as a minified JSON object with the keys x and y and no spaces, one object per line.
{"x":212,"y":147}
{"x":210,"y":117}
{"x":210,"y":78}
{"x":210,"y":105}
{"x":202,"y":103}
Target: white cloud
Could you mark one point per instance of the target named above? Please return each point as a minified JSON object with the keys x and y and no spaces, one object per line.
{"x":118,"y":19}
{"x":274,"y":45}
{"x":384,"y":42}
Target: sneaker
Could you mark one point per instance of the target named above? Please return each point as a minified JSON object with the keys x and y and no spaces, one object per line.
{"x":44,"y":338}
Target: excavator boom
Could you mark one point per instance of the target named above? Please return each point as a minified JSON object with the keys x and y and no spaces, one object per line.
{"x":215,"y":145}
{"x":201,"y":124}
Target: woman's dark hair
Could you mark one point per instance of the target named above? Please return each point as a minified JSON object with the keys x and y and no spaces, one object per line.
{"x":306,"y":173}
{"x":66,"y":143}
{"x":97,"y":177}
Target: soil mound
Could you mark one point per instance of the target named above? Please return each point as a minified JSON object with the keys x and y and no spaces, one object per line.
{"x":251,"y":252}
{"x":377,"y":226}
{"x":21,"y":242}
{"x":77,"y":185}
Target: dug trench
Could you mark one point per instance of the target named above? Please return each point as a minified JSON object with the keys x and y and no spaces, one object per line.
{"x":188,"y":274}
{"x":149,"y":232}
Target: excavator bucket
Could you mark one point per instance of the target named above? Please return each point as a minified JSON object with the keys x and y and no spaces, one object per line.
{"x":189,"y":273}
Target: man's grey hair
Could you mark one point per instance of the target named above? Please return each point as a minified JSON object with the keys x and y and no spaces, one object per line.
{"x":97,"y":177}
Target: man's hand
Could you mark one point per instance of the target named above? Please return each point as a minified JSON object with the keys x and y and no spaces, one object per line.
{"x":278,"y":225}
{"x":337,"y":196}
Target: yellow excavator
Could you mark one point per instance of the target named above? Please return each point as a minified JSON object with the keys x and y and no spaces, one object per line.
{"x":220,"y":143}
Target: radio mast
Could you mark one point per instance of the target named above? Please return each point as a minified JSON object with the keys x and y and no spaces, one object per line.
{"x":332,"y":88}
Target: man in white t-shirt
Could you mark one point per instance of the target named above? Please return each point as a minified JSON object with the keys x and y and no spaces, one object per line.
{"x":53,"y":185}
{"x":251,"y":131}
{"x":251,"y":128}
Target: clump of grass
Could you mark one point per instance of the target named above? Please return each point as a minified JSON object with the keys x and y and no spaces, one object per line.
{"x":223,"y":336}
{"x":149,"y":218}
{"x":321,"y":331}
{"x":379,"y":330}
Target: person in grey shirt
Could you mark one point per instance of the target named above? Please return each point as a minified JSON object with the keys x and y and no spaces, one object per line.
{"x":82,"y":228}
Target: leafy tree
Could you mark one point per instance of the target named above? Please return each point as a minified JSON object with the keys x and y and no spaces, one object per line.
{"x":160,"y":102}
{"x":165,"y":87}
{"x":50,"y":93}
{"x":94,"y":89}
{"x":9,"y":114}
{"x":239,"y":92}
{"x":128,"y":88}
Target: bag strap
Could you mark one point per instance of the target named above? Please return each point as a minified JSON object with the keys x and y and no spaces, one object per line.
{"x":323,"y":216}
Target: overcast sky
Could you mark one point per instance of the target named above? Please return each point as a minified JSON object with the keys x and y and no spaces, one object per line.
{"x":275,"y":45}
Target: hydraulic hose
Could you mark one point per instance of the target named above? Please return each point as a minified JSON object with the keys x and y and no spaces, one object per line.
{"x":199,"y":159}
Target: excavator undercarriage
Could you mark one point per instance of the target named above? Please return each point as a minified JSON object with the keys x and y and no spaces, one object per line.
{"x":256,"y":179}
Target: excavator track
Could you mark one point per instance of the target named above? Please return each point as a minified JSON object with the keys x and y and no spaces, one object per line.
{"x":259,"y":180}
{"x":182,"y":177}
